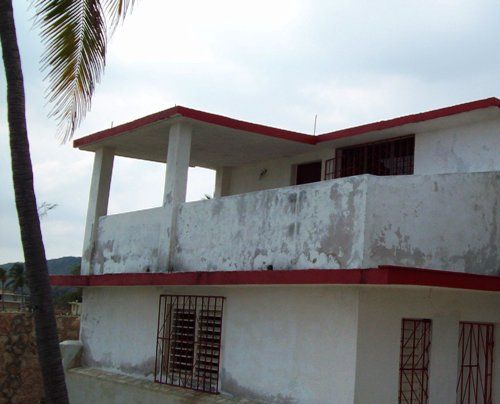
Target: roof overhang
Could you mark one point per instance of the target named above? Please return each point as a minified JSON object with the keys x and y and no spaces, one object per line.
{"x":381,"y":276}
{"x":219,"y":141}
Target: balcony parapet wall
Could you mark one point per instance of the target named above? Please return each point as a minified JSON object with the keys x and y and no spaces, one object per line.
{"x":446,"y":221}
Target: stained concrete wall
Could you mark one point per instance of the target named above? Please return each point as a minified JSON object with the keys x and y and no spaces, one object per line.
{"x":471,"y":148}
{"x":379,"y":331}
{"x":279,"y":344}
{"x":127,"y":242}
{"x":319,"y":225}
{"x":447,"y":221}
{"x":297,"y":344}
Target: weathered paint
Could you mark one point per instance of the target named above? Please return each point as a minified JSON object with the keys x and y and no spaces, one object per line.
{"x":278,"y":344}
{"x":461,"y":149}
{"x":98,"y":203}
{"x":356,"y":222}
{"x":297,"y":344}
{"x":318,"y":225}
{"x":128,"y":242}
{"x":447,"y":221}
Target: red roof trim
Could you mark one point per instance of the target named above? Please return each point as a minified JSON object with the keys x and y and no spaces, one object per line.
{"x":384,"y":275}
{"x":282,"y":133}
{"x":198,"y":116}
{"x":404,"y":120}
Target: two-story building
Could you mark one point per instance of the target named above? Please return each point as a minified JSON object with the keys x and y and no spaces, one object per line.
{"x":302,"y":280}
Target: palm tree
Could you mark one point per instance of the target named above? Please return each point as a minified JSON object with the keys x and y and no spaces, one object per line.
{"x":17,"y":280}
{"x":75,"y":35}
{"x":3,"y":279}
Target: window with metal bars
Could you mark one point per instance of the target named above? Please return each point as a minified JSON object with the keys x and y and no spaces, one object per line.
{"x":387,"y":157}
{"x":188,"y":342}
{"x":414,"y":361}
{"x":475,"y":352}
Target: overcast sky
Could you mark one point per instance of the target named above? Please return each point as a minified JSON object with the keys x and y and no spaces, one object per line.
{"x":273,"y":62}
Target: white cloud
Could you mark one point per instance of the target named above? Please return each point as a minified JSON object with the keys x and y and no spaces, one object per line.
{"x":274,"y":62}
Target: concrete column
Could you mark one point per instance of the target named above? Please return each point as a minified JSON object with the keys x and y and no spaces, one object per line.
{"x":179,"y":150}
{"x":98,"y":203}
{"x":222,"y":181}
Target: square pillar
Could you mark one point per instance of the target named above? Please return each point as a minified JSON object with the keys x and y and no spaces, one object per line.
{"x":178,"y":155}
{"x":222,"y":181}
{"x":98,"y":203}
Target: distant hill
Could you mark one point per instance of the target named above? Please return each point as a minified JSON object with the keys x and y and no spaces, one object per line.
{"x":57,"y":266}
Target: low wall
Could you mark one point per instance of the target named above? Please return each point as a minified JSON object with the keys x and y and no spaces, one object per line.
{"x":445,"y":221}
{"x":319,"y":225}
{"x":441,"y":221}
{"x":20,"y":377}
{"x":128,"y":242}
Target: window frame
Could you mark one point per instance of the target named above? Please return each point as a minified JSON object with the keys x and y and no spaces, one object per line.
{"x":419,"y":391}
{"x":199,"y":370}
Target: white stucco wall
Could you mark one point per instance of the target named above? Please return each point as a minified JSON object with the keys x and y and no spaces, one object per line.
{"x":295,"y":344}
{"x":278,"y":172}
{"x":379,"y":331}
{"x":444,"y":221}
{"x":319,"y":225}
{"x":471,"y":148}
{"x":127,"y":242}
{"x":448,"y":221}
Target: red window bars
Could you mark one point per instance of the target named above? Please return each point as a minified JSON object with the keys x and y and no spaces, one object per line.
{"x":414,"y":361}
{"x":188,"y":341}
{"x":387,"y":157}
{"x":475,"y":350}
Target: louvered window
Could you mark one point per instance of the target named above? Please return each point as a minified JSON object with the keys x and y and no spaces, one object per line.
{"x":189,"y":341}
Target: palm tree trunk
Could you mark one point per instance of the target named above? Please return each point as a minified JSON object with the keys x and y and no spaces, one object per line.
{"x":49,"y":354}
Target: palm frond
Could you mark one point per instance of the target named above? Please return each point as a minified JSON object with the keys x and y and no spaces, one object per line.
{"x":75,"y":35}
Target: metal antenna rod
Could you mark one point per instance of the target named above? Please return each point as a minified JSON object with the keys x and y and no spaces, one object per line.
{"x":315,"y":119}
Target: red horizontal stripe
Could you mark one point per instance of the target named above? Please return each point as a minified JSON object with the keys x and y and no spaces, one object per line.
{"x":384,"y":275}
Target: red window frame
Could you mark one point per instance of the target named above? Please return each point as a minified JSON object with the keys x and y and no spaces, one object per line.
{"x":188,"y":341}
{"x":386,"y":157}
{"x":475,"y":370}
{"x":414,"y":361}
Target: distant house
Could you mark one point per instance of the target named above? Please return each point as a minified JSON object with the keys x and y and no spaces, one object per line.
{"x":10,"y":301}
{"x":301,"y":280}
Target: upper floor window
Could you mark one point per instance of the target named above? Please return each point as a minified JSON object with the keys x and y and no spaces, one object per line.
{"x":387,"y":157}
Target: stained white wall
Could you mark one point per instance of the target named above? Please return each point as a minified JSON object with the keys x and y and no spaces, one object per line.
{"x":447,"y":221}
{"x":379,"y":331}
{"x":319,"y":225}
{"x":295,"y":344}
{"x":128,"y":242}
{"x":461,"y":149}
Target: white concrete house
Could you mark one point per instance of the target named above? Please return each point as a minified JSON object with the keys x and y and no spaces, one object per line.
{"x":357,"y":266}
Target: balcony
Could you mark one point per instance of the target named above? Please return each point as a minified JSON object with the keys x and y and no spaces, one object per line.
{"x":445,"y":221}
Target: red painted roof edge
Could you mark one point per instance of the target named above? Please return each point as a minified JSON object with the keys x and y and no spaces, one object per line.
{"x":414,"y":118}
{"x":198,"y":116}
{"x":283,"y":133}
{"x":384,"y":275}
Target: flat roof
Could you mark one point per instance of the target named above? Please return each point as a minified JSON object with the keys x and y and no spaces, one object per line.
{"x":381,"y":276}
{"x":222,"y":141}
